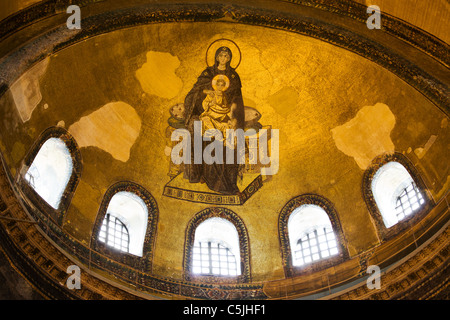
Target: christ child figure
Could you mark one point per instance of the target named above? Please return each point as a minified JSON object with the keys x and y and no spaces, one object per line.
{"x":217,"y":111}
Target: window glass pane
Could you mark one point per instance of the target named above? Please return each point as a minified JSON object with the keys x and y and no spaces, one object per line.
{"x":50,"y":171}
{"x":132,"y":211}
{"x":114,"y":233}
{"x":408,"y":201}
{"x":310,"y":234}
{"x":395,"y":193}
{"x":222,"y":262}
{"x":219,"y":243}
{"x":306,"y":254}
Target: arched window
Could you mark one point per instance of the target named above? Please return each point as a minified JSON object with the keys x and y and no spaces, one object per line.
{"x":125,"y":223}
{"x":125,"y":227}
{"x":216,"y":247}
{"x":311,"y":236}
{"x":395,"y":192}
{"x":51,"y":171}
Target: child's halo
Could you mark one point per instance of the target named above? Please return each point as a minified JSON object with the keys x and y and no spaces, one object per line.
{"x":221,"y":77}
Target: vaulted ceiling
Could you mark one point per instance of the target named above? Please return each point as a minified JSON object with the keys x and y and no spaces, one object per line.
{"x":342,"y":97}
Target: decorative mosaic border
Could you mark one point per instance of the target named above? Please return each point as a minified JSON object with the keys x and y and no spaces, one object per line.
{"x":383,"y":232}
{"x":423,"y":276}
{"x":143,"y":280}
{"x":214,"y":198}
{"x":244,"y":246}
{"x":143,"y":263}
{"x":415,"y":36}
{"x":394,"y":26}
{"x":39,"y":260}
{"x":56,"y":214}
{"x":45,"y":265}
{"x":433,"y":89}
{"x":38,"y":49}
{"x":286,"y":252}
{"x":134,"y":270}
{"x":422,"y":81}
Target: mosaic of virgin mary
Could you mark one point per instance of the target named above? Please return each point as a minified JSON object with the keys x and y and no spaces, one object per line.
{"x":216,"y":99}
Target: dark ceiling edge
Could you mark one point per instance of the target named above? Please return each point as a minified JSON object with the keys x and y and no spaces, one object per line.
{"x":35,"y":277}
{"x":17,"y":244}
{"x":17,"y":62}
{"x":397,"y":27}
{"x":401,"y":29}
{"x":438,"y":274}
{"x":143,"y":285}
{"x":329,"y":33}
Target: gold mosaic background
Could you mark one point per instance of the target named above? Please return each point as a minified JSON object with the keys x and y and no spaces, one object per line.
{"x":335,"y":112}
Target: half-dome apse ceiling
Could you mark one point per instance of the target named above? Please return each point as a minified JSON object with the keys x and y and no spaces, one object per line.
{"x":133,"y":108}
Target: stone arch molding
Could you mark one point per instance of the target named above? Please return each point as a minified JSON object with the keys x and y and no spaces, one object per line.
{"x":143,"y":262}
{"x":50,"y":42}
{"x":244,"y":245}
{"x":286,"y":250}
{"x":385,"y":233}
{"x":57,"y":214}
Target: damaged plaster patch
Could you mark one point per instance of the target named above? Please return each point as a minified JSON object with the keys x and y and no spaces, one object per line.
{"x":420,"y":152}
{"x":285,"y":101}
{"x":26,"y":91}
{"x":157,"y":75}
{"x":367,"y":135}
{"x":113,"y":128}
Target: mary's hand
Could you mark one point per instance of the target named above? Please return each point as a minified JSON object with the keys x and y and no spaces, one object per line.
{"x":209,"y":92}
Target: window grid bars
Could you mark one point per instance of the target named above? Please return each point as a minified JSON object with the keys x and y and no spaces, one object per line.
{"x":212,"y":258}
{"x":408,"y":201}
{"x":114,"y":233}
{"x":316,"y":245}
